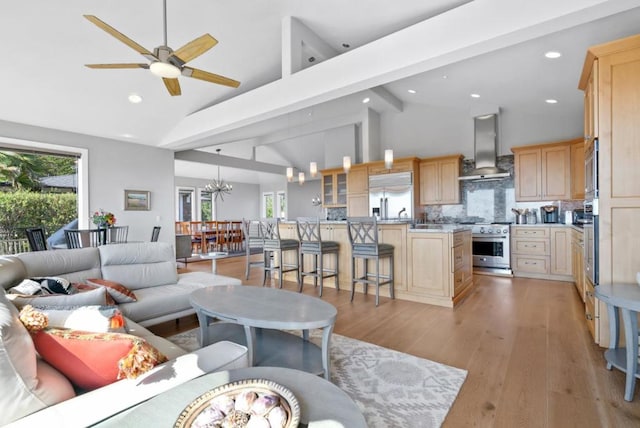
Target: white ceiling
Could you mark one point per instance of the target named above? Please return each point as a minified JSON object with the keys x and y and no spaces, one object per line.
{"x":43,"y":80}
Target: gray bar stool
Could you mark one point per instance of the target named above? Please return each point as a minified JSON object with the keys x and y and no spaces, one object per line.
{"x":311,"y":243}
{"x":253,"y":243}
{"x":363,"y":236}
{"x":274,"y":245}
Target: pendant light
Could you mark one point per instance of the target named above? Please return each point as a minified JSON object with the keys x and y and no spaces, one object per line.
{"x":388,"y":158}
{"x":346,"y":164}
{"x":289,"y":174}
{"x":301,"y":178}
{"x":313,"y":169}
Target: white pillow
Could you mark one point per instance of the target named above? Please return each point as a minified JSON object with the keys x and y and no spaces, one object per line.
{"x":98,"y":319}
{"x":19,"y":370}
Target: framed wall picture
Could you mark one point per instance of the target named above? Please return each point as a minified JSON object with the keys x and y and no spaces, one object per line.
{"x":137,"y":200}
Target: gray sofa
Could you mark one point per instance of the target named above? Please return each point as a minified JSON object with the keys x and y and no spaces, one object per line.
{"x":148,"y":269}
{"x":40,"y":395}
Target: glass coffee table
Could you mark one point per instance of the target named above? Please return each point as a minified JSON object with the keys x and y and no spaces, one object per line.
{"x":257,"y":317}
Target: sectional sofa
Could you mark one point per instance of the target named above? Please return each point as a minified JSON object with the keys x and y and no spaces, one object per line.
{"x":38,"y":394}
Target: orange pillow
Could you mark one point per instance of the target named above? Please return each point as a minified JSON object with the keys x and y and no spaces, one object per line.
{"x":119,"y":292}
{"x":92,"y":360}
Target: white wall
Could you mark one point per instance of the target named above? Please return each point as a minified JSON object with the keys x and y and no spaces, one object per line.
{"x":113,"y":167}
{"x":299,"y":199}
{"x":243,"y":202}
{"x":427,"y":131}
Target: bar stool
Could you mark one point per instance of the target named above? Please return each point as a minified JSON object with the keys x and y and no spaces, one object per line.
{"x":363,"y":236}
{"x":311,"y":243}
{"x":274,"y":245}
{"x":253,"y":243}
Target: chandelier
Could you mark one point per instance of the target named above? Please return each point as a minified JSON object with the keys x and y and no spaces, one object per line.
{"x":219,"y":187}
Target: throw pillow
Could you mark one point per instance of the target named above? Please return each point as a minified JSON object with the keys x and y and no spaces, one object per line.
{"x":119,"y":292}
{"x":92,"y":360}
{"x":96,"y":296}
{"x":98,"y":319}
{"x":43,"y":285}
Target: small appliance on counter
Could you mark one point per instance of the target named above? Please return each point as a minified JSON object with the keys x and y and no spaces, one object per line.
{"x":549,"y":213}
{"x":578,"y":216}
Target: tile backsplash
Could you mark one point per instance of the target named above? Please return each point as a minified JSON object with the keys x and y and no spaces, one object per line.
{"x":489,"y":201}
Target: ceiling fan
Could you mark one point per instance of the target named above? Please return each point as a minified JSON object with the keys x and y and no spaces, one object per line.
{"x":165,"y":62}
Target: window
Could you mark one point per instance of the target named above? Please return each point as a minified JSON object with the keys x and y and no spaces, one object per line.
{"x":186,"y":206}
{"x":282,"y":204}
{"x":267,"y":205}
{"x":206,"y":206}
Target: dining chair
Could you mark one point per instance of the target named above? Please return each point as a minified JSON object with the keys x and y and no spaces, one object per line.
{"x":117,"y":234}
{"x":236,"y":235}
{"x":155,"y":233}
{"x":222,"y":235}
{"x":195,"y":230}
{"x":36,"y":238}
{"x":274,"y":245}
{"x":253,"y":243}
{"x":311,"y":243}
{"x":363,"y":237}
{"x":82,"y":238}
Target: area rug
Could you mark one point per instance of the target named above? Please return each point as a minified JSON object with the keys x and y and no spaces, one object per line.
{"x":392,"y":389}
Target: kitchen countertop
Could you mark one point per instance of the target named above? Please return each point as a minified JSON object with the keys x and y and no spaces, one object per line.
{"x":439,"y":228}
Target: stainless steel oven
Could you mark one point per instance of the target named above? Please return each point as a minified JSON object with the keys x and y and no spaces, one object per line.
{"x":491,"y":247}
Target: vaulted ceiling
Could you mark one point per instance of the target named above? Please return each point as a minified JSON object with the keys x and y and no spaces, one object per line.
{"x":493,"y":47}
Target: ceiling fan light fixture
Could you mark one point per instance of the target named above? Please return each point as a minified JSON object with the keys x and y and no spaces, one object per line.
{"x":165,"y":70}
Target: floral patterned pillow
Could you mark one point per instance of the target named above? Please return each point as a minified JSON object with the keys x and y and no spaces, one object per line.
{"x":92,"y":360}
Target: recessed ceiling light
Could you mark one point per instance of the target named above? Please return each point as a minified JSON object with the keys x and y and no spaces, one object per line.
{"x":551,"y":101}
{"x":475,"y":95}
{"x":126,"y":135}
{"x":411,"y":91}
{"x":366,"y":100}
{"x":445,"y":76}
{"x":135,"y":99}
{"x":553,"y":54}
{"x":311,"y":58}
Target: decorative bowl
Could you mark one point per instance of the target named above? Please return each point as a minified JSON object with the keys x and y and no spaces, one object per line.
{"x":194,"y":414}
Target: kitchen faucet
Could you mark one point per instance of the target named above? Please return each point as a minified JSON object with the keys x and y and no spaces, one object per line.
{"x":401,"y":211}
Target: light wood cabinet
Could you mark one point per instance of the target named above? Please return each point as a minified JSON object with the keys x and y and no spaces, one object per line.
{"x":577,"y":170}
{"x":611,"y":81}
{"x":560,"y":253}
{"x":543,"y":172}
{"x":440,"y":267}
{"x":577,"y":261}
{"x":541,"y":252}
{"x":439,"y":180}
{"x":334,"y":188}
{"x":399,"y":165}
{"x":358,"y":191}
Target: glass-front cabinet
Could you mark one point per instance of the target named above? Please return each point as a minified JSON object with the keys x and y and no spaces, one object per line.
{"x":334,"y":188}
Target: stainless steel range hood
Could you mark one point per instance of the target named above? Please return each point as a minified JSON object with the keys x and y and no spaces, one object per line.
{"x":486,"y":147}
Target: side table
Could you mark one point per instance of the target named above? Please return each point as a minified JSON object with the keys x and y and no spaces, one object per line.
{"x":625,"y":297}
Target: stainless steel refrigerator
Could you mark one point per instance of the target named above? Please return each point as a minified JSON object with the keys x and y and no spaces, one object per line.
{"x":391,"y":195}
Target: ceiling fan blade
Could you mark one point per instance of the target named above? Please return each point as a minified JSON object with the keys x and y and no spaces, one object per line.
{"x":209,"y":77}
{"x":195,"y":48}
{"x":117,"y":65}
{"x":173,"y":86}
{"x":118,"y":35}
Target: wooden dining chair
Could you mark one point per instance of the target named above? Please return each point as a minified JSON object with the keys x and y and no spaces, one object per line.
{"x":155,"y":233}
{"x":117,"y":234}
{"x":82,"y":238}
{"x":36,"y":238}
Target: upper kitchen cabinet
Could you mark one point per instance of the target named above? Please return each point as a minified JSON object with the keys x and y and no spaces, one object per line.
{"x":543,"y":172}
{"x":399,"y":165}
{"x":591,"y":105}
{"x":439,"y":180}
{"x":334,"y":188}
{"x":358,"y":191}
{"x":577,"y":170}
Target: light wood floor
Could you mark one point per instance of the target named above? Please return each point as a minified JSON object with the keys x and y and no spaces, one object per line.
{"x":529,"y":356}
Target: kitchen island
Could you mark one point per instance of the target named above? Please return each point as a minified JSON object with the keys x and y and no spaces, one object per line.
{"x":432,"y":263}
